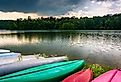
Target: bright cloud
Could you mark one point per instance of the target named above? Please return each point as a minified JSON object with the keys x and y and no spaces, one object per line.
{"x":15,"y":15}
{"x":13,"y":10}
{"x":96,"y":8}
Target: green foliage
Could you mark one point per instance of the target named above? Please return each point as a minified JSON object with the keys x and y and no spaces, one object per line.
{"x":67,"y":26}
{"x":108,"y":22}
{"x":97,"y":69}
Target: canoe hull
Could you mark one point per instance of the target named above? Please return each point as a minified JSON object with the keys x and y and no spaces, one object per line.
{"x":21,"y":65}
{"x":110,"y":76}
{"x":7,"y":58}
{"x":81,"y":76}
{"x":4,"y":51}
{"x":46,"y":73}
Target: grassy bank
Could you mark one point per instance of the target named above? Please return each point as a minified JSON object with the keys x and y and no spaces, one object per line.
{"x":98,"y":69}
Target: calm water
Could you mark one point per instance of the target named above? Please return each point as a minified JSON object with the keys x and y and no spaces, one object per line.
{"x":103,"y":47}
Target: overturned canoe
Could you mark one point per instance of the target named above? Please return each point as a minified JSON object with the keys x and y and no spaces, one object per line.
{"x":81,"y":76}
{"x":6,"y":58}
{"x":9,"y":54}
{"x":110,"y":76}
{"x":46,"y":73}
{"x":4,"y":51}
{"x":30,"y":57}
{"x":21,"y":65}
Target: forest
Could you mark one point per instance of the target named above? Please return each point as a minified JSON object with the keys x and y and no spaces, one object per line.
{"x":107,"y":22}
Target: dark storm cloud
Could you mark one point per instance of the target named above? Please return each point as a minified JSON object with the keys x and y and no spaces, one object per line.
{"x":47,"y":7}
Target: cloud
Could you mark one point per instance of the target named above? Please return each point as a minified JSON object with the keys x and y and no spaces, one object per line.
{"x":23,"y":8}
{"x":45,"y":7}
{"x":96,"y":8}
{"x":15,"y":15}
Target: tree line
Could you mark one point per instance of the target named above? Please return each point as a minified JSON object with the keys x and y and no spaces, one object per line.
{"x":107,"y":22}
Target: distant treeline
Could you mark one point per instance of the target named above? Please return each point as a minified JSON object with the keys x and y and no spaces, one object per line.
{"x":108,"y":22}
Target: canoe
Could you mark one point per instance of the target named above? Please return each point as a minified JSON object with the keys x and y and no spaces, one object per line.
{"x":54,"y":72}
{"x":6,"y":58}
{"x":21,"y":65}
{"x":110,"y":76}
{"x":30,"y":57}
{"x":9,"y":54}
{"x":4,"y":51}
{"x":81,"y":76}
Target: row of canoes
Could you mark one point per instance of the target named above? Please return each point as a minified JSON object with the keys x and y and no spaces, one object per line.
{"x":53,"y":69}
{"x":56,"y":72}
{"x":61,"y":71}
{"x":28,"y":63}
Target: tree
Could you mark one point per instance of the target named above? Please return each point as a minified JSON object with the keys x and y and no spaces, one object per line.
{"x":67,"y":26}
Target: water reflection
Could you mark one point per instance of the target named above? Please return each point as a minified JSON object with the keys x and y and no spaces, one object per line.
{"x":95,"y":47}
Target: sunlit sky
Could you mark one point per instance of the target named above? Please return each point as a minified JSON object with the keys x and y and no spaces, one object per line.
{"x":13,"y":9}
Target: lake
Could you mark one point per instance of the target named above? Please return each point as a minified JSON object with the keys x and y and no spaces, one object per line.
{"x":102,"y":47}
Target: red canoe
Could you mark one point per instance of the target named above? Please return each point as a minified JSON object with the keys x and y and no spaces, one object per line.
{"x":110,"y":76}
{"x":81,"y":76}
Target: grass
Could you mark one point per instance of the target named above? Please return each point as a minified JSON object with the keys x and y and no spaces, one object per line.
{"x":98,"y":69}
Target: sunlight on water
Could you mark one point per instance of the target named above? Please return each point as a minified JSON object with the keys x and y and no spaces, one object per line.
{"x":103,"y":46}
{"x":13,"y":39}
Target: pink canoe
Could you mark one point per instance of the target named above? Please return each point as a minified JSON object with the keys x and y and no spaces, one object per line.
{"x":81,"y":76}
{"x":110,"y":76}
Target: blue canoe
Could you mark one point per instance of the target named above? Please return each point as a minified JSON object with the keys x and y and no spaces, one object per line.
{"x":21,"y":65}
{"x":7,"y":58}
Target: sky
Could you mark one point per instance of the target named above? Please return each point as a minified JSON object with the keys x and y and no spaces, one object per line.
{"x":13,"y":9}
